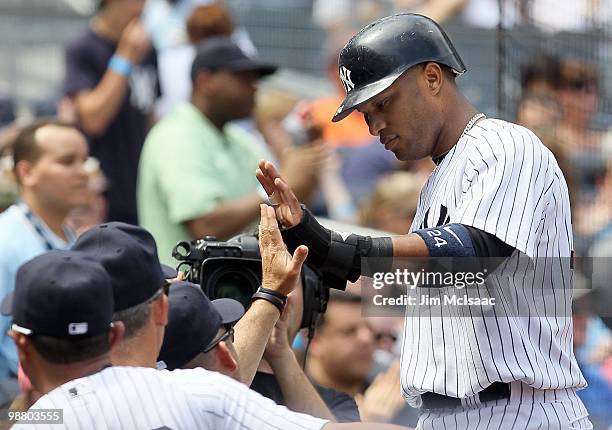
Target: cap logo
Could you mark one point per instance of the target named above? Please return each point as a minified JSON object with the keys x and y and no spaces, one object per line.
{"x":77,"y":328}
{"x":345,"y":76}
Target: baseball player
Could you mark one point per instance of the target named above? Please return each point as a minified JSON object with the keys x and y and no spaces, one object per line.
{"x":496,"y":191}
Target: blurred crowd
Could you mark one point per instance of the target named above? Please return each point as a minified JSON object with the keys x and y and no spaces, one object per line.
{"x":163,"y":118}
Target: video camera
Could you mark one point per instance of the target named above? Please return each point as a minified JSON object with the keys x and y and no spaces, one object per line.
{"x":232,"y":269}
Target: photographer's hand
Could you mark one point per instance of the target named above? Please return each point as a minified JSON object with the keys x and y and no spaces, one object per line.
{"x":286,"y":205}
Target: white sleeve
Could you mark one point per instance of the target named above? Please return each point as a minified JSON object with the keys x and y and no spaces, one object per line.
{"x":505,"y":186}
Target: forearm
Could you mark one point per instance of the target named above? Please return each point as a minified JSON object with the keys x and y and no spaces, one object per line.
{"x":227,"y":219}
{"x":97,"y":108}
{"x":251,"y":336}
{"x":299,"y":393}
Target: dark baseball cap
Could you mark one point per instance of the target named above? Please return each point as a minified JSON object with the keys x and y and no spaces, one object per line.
{"x":61,"y":294}
{"x":222,"y":53}
{"x":129,"y":255}
{"x":193,"y":323}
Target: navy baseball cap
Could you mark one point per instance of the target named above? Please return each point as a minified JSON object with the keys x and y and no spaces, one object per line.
{"x":193,"y":323}
{"x":222,"y":53}
{"x":129,"y":255}
{"x":61,"y":294}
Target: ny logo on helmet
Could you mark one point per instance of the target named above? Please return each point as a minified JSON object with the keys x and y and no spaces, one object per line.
{"x":345,"y":75}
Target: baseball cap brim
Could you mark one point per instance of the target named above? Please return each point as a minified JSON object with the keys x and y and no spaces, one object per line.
{"x":168,"y":271}
{"x":363,"y":94}
{"x":249,"y":65}
{"x":230,"y":310}
{"x":6,"y":307}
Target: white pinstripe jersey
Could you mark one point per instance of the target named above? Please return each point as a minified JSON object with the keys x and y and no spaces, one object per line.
{"x":141,"y":398}
{"x":501,"y":179}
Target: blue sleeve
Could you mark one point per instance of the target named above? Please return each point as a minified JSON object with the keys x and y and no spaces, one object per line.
{"x":8,"y":351}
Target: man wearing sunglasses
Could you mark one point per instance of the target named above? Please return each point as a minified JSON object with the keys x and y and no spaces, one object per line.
{"x":200,"y":332}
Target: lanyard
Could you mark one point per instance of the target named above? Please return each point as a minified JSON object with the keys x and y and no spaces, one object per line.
{"x":36,"y":224}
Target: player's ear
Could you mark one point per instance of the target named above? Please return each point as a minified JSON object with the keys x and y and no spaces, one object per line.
{"x":433,"y":77}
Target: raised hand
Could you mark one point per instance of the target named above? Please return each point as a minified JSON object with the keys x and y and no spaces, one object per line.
{"x":286,"y":205}
{"x":281,"y":270}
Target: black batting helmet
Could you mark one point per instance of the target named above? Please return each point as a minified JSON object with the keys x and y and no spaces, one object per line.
{"x":376,"y":56}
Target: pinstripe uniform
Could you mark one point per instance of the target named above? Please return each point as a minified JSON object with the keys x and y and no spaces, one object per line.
{"x":499,"y":178}
{"x":140,"y":398}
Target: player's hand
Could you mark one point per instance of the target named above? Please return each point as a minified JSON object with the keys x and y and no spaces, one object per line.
{"x":382,"y":400}
{"x":278,"y":346}
{"x":286,"y":205}
{"x":281,"y":270}
{"x":135,"y":42}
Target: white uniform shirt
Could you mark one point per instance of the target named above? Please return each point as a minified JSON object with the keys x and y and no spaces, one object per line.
{"x":141,"y":398}
{"x":501,"y":179}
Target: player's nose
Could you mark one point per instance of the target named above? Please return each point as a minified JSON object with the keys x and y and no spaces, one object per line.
{"x":376,"y":125}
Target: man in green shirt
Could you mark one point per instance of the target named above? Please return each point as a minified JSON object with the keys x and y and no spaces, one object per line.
{"x":196,"y":169}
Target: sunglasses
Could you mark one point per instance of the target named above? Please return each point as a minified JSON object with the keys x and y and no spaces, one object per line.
{"x":228,"y":335}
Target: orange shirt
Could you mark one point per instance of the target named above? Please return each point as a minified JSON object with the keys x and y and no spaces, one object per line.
{"x":351,"y":131}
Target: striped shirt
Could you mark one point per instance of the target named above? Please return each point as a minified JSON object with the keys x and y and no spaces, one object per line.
{"x":501,"y":179}
{"x":142,"y":398}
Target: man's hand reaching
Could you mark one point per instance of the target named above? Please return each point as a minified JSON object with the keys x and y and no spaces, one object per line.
{"x":281,"y":270}
{"x":285,"y":203}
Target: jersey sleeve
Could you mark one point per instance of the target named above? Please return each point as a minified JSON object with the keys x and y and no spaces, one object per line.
{"x":505,"y":187}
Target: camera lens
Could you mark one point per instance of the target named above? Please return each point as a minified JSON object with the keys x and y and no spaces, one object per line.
{"x":234,"y":286}
{"x":233,"y":283}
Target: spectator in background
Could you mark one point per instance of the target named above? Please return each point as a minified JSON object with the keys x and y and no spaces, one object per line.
{"x":394,"y":202}
{"x":541,"y":75}
{"x":111,"y":77}
{"x":578,"y":95}
{"x":362,"y":159}
{"x":95,"y":210}
{"x":48,"y":163}
{"x":597,"y":396}
{"x":166,"y":21}
{"x":205,"y":21}
{"x":341,"y":357}
{"x":341,"y":15}
{"x":194,"y":176}
{"x":343,"y":346}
